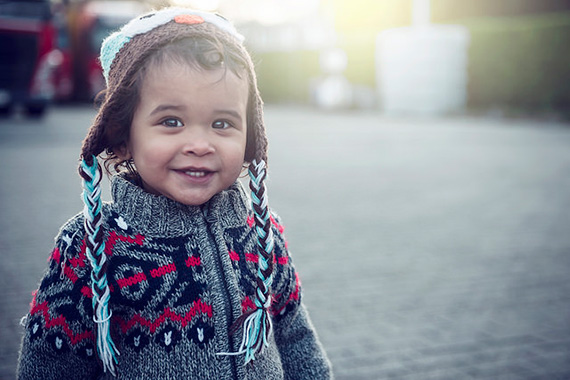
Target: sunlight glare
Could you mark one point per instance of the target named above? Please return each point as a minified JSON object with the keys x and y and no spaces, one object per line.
{"x":270,"y":12}
{"x":205,"y":5}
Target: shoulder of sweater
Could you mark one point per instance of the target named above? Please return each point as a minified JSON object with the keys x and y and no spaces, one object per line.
{"x":75,"y":223}
{"x":71,"y":226}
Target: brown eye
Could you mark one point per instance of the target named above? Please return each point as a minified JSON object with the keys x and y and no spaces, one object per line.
{"x":172,"y":123}
{"x":221,"y":124}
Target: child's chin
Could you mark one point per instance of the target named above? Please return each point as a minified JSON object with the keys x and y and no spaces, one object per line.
{"x":197,"y":200}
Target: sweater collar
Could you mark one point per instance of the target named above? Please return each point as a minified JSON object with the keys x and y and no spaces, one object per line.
{"x":161,"y":216}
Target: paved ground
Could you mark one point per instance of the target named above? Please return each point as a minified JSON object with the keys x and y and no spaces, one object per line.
{"x":428,"y":249}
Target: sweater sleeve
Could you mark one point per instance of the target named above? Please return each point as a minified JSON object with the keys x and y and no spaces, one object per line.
{"x":302,"y":355}
{"x":58,"y":341}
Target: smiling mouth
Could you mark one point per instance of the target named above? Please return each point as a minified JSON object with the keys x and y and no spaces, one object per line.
{"x":196,"y":174}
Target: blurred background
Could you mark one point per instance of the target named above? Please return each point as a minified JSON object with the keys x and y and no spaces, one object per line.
{"x":419,"y":157}
{"x":507,"y":56}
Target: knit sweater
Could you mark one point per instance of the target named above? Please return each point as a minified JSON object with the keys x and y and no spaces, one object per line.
{"x":179,"y":277}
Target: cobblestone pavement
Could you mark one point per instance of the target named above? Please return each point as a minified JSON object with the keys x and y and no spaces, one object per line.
{"x":428,"y":249}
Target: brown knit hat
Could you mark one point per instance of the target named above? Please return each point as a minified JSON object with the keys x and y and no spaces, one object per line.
{"x":123,"y":54}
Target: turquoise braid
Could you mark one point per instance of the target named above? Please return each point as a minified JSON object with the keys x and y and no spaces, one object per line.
{"x":92,"y":175}
{"x":257,"y":325}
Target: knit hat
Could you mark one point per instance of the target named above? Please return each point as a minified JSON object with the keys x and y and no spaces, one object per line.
{"x":123,"y":54}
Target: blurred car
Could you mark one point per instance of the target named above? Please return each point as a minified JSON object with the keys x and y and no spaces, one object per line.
{"x":64,"y":72}
{"x":29,"y":58}
{"x":90,"y":24}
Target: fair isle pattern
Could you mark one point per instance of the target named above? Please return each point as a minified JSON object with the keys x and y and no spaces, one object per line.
{"x":160,"y":294}
{"x":167,"y":273}
{"x":179,"y":277}
{"x":244,"y":259}
{"x":147,"y":274}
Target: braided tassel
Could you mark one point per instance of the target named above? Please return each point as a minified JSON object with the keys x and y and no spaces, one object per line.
{"x":92,"y":176}
{"x":257,"y":325}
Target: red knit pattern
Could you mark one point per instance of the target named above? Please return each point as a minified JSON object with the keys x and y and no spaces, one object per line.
{"x":81,"y":259}
{"x":293,"y":297}
{"x":247,"y":304}
{"x":55,"y":255}
{"x":253,"y":258}
{"x":197,"y":307}
{"x":69,"y":273}
{"x":33,"y":303}
{"x":193,"y":261}
{"x":132,"y":280}
{"x":234,"y":256}
{"x":114,"y":237}
{"x":280,"y":227}
{"x":88,"y":292}
{"x":60,"y":321}
{"x":161,"y":271}
{"x":295,"y":294}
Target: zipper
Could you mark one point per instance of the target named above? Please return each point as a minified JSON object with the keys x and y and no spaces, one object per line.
{"x":226,"y":292}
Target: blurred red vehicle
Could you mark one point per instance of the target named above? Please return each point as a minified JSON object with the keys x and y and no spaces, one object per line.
{"x":29,"y":57}
{"x":64,"y":73}
{"x":90,"y":23}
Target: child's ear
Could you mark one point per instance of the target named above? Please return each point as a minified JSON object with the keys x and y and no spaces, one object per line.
{"x":122,"y":152}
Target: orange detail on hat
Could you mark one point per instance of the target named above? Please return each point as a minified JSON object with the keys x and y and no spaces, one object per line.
{"x":188,"y":19}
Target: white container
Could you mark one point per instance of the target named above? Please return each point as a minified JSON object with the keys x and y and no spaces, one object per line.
{"x":422,"y":70}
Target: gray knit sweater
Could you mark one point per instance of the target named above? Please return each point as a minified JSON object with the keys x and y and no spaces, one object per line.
{"x":179,"y":278}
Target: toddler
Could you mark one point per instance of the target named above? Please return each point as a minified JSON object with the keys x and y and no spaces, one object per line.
{"x":182,"y":275}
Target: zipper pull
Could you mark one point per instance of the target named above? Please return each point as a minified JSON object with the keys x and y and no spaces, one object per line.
{"x":208,"y":215}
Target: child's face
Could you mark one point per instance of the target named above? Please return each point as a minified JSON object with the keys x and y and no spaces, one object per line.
{"x":188,"y":133}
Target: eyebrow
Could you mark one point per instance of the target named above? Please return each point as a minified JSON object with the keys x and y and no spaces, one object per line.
{"x":229,"y":112}
{"x":176,"y":107}
{"x":166,"y":107}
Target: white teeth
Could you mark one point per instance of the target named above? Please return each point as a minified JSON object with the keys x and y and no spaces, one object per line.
{"x":196,"y":174}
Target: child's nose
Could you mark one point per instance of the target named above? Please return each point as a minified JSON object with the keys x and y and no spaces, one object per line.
{"x":197,"y":142}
